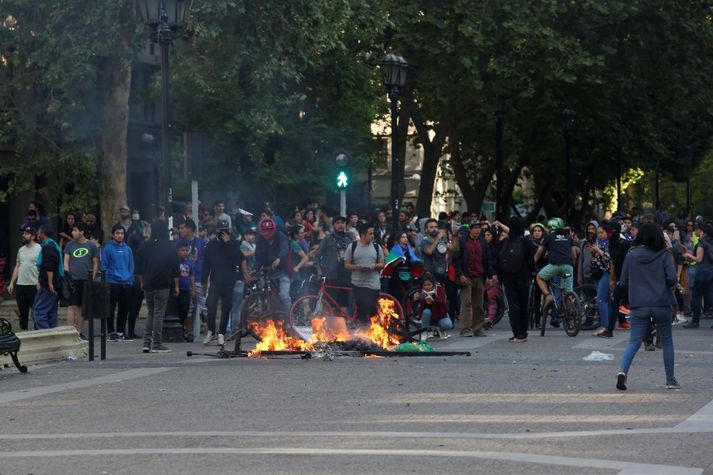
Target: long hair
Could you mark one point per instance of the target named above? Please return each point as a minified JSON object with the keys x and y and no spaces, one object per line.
{"x":651,"y":236}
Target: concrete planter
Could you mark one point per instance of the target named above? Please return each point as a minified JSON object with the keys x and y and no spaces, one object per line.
{"x":49,"y":346}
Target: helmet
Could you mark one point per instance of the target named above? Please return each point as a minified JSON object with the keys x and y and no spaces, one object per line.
{"x":267,"y":228}
{"x":699,"y":219}
{"x":537,"y":225}
{"x":555,"y":223}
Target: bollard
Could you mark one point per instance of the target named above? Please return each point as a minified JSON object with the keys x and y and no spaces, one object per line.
{"x":96,"y":305}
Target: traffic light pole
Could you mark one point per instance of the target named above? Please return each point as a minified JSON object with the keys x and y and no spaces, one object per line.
{"x":343,"y":202}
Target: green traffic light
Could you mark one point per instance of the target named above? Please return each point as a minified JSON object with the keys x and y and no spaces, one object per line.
{"x":342,"y":180}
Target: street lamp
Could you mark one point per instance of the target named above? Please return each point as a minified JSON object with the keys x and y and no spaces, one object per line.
{"x":393,"y":75}
{"x":164,"y":18}
{"x":568,"y":119}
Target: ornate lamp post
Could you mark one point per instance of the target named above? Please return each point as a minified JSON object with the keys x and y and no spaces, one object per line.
{"x":164,"y":18}
{"x":393,"y":75}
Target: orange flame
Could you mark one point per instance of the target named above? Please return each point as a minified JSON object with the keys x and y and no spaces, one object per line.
{"x":274,"y":338}
{"x":322,"y":331}
{"x":386,"y":316}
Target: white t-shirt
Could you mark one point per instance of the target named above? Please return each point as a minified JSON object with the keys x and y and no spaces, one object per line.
{"x":27,"y":257}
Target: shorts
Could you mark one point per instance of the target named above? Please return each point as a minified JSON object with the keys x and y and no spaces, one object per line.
{"x":77,"y":296}
{"x":550,"y":271}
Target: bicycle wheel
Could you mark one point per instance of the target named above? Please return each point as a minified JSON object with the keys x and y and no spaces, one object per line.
{"x":572,"y":314}
{"x":502,"y":306}
{"x":587,"y":294}
{"x":306,"y":308}
{"x":255,"y":309}
{"x":402,"y":320}
{"x":546,"y":312}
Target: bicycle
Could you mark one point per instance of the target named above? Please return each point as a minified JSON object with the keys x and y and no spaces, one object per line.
{"x":534,"y":304}
{"x":587,"y":294}
{"x":323,"y":304}
{"x":565,"y":303}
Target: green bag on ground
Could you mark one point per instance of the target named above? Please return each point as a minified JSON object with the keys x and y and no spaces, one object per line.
{"x":414,"y":347}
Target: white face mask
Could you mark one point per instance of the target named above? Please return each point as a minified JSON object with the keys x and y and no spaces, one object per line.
{"x":135,"y":217}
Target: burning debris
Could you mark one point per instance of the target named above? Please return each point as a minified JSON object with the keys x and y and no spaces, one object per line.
{"x":331,"y":334}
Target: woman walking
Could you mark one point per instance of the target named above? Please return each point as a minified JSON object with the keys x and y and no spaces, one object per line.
{"x":649,"y":276}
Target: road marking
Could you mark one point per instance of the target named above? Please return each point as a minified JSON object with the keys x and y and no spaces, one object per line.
{"x":701,"y":421}
{"x":624,"y":468}
{"x":557,"y":398}
{"x":56,"y":388}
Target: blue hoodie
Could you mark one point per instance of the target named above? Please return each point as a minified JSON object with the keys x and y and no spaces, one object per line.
{"x":117,"y":262}
{"x":649,"y":276}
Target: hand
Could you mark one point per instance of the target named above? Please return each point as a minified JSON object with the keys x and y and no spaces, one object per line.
{"x":441,"y":233}
{"x":176,"y":291}
{"x":50,"y":287}
{"x":429,"y":299}
{"x":276,"y":263}
{"x":612,"y":284}
{"x":10,"y":289}
{"x":464,"y":281}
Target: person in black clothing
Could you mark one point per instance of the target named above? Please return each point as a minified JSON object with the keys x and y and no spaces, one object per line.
{"x":158,"y":272}
{"x":44,"y":308}
{"x":223,"y":265}
{"x":618,"y":249}
{"x":514,"y":263}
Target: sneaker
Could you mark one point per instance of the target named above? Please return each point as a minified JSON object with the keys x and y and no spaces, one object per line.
{"x":649,"y":346}
{"x":479,"y":333}
{"x":466,"y":332}
{"x":680,"y":319}
{"x":624,"y":310}
{"x":555,"y":323}
{"x":621,"y":381}
{"x":113,"y":337}
{"x":208,"y":337}
{"x":159,"y":348}
{"x":128,"y":337}
{"x":221,"y":339}
{"x":691,"y":324}
{"x":624,"y":326}
{"x":522,"y":339}
{"x":147,"y":347}
{"x":673,"y":384}
{"x":188,"y":337}
{"x":512,"y":339}
{"x":605,"y":334}
{"x":599,"y":330}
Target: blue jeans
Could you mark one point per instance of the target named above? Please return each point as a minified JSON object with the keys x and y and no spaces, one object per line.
{"x":283,"y":290}
{"x":640,"y":318}
{"x":704,"y":281}
{"x":444,"y":323}
{"x":604,"y":299}
{"x":44,"y":309}
{"x":234,"y":321}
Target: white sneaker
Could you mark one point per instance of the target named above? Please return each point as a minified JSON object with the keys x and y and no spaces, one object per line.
{"x":221,"y":339}
{"x":208,"y":338}
{"x":680,"y":319}
{"x":599,"y":331}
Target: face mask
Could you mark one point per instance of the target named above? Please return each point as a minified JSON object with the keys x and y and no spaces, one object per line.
{"x":135,"y":217}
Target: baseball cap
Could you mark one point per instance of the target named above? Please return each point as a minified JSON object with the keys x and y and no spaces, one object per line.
{"x":339,"y":218}
{"x":124,"y":207}
{"x":244,"y":212}
{"x":30,"y":229}
{"x":223,"y":225}
{"x":267,"y":228}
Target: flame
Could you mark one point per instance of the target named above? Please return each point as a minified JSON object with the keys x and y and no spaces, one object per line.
{"x":381,"y":323}
{"x":274,"y":338}
{"x":322,"y":332}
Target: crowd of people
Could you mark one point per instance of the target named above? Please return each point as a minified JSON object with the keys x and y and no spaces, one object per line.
{"x":447,"y":271}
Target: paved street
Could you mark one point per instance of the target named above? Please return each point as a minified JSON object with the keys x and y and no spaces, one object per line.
{"x":510,"y":408}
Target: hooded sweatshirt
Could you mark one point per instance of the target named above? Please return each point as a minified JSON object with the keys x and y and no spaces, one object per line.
{"x":117,"y":261}
{"x":584,"y":269}
{"x":648,"y":276}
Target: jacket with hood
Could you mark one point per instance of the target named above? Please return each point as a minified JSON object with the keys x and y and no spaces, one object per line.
{"x":584,"y":267}
{"x":648,"y":276}
{"x":117,"y":262}
{"x":157,"y":259}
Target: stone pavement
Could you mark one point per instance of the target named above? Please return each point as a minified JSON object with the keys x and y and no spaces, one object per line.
{"x":510,"y":408}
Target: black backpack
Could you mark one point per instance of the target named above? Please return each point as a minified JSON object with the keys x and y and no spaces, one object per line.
{"x":511,"y":256}
{"x":376,"y":248}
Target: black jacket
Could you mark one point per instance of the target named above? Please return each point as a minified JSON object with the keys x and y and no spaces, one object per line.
{"x":158,"y":264}
{"x":221,"y":263}
{"x":459,"y":261}
{"x":50,"y":263}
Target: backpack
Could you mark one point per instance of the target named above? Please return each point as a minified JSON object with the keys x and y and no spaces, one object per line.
{"x":511,"y":256}
{"x":376,"y":248}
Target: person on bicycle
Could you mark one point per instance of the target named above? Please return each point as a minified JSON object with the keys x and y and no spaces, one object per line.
{"x":330,"y":259}
{"x":561,"y":253}
{"x":365,"y":259}
{"x":272,"y":253}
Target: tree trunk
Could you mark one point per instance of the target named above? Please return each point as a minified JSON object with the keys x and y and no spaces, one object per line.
{"x":473,"y":193}
{"x":431,"y":157}
{"x":113,"y":144}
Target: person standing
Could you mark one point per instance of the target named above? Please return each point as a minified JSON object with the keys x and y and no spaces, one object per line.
{"x":221,"y":215}
{"x":515,"y":262}
{"x":25,"y":275}
{"x":330,"y":259}
{"x":49,"y":263}
{"x":186,"y":286}
{"x":473,"y":266}
{"x":703,"y":258}
{"x":223,"y":266}
{"x":365,"y":259}
{"x":117,"y":263}
{"x":649,"y":275}
{"x":81,"y":259}
{"x":158,"y":271}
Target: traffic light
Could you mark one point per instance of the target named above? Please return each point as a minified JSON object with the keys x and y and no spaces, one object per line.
{"x":343,"y":177}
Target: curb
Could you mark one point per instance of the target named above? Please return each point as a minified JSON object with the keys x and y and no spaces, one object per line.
{"x":49,"y":346}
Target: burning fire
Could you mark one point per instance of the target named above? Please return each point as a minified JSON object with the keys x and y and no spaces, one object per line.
{"x":273,"y":336}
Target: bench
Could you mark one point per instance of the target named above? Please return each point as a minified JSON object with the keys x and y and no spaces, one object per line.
{"x":10,"y":344}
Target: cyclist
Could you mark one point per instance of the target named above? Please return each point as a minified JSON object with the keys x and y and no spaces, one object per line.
{"x":272,"y":252}
{"x":561,"y":253}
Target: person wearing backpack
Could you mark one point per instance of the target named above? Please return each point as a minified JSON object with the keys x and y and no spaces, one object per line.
{"x":514,"y":263}
{"x":365,"y":259}
{"x":703,"y":258}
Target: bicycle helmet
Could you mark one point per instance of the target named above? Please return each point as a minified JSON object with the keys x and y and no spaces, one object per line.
{"x":555,"y":224}
{"x":267,"y":228}
{"x":538,"y":225}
